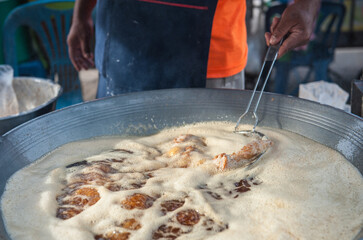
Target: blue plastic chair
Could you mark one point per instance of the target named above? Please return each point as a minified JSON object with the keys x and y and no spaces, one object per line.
{"x":51,"y":21}
{"x":320,"y":50}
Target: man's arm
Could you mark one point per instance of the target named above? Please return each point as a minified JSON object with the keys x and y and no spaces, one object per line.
{"x":80,"y":35}
{"x":297,"y":21}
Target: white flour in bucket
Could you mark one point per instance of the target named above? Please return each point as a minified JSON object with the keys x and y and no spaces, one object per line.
{"x":22,"y":94}
{"x":8,"y":101}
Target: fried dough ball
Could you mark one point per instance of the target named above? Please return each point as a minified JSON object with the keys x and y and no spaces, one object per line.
{"x":137,"y":200}
{"x":115,"y":235}
{"x":79,"y":199}
{"x":243,"y":157}
{"x":105,"y":168}
{"x":167,"y":232}
{"x":189,"y":137}
{"x":92,"y":195}
{"x":174,"y":151}
{"x":67,"y":212}
{"x":188,"y":217}
{"x":183,"y":138}
{"x":131,"y":224}
{"x":83,"y":197}
{"x":171,"y":205}
{"x":252,"y":149}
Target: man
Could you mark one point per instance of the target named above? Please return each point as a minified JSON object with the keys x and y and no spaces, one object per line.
{"x":156,"y":44}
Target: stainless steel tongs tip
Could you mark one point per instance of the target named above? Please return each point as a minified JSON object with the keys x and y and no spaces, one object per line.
{"x":270,"y":58}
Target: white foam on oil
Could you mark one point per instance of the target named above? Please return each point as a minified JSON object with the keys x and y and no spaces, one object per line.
{"x":308,"y":191}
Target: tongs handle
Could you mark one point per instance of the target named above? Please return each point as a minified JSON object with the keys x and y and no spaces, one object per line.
{"x":268,"y":63}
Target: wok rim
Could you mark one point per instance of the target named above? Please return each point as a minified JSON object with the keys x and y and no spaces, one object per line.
{"x":170,"y":91}
{"x":152,"y":91}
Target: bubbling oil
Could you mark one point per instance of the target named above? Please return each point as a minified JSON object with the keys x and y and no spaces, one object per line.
{"x":166,"y":186}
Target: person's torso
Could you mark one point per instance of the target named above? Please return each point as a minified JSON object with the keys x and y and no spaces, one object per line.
{"x":155,"y":44}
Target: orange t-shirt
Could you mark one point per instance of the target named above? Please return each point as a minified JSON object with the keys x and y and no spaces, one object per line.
{"x":228,"y":46}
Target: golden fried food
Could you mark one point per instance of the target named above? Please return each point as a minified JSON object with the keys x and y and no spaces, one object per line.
{"x":183,"y":138}
{"x":131,"y":224}
{"x":243,"y":157}
{"x":188,"y":217}
{"x":137,"y":200}
{"x":252,"y":149}
{"x":78,"y":199}
{"x":171,"y":205}
{"x":174,"y":151}
{"x":91,"y":196}
{"x":115,"y":235}
{"x":67,"y":212}
{"x":167,"y":232}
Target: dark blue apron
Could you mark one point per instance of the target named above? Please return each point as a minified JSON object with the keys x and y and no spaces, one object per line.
{"x":152,"y":44}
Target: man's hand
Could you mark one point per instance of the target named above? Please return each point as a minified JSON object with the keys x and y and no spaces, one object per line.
{"x":79,"y":44}
{"x":297,"y":21}
{"x":81,"y":34}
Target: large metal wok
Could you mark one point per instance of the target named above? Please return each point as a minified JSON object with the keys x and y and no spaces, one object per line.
{"x":148,"y":112}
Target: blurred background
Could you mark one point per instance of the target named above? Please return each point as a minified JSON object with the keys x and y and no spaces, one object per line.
{"x":345,"y":57}
{"x":334,"y":55}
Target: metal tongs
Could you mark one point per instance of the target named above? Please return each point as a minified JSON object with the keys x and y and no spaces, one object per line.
{"x":270,"y":58}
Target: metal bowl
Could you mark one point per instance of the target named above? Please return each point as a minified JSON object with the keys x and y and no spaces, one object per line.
{"x":146,"y":113}
{"x":35,"y":96}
